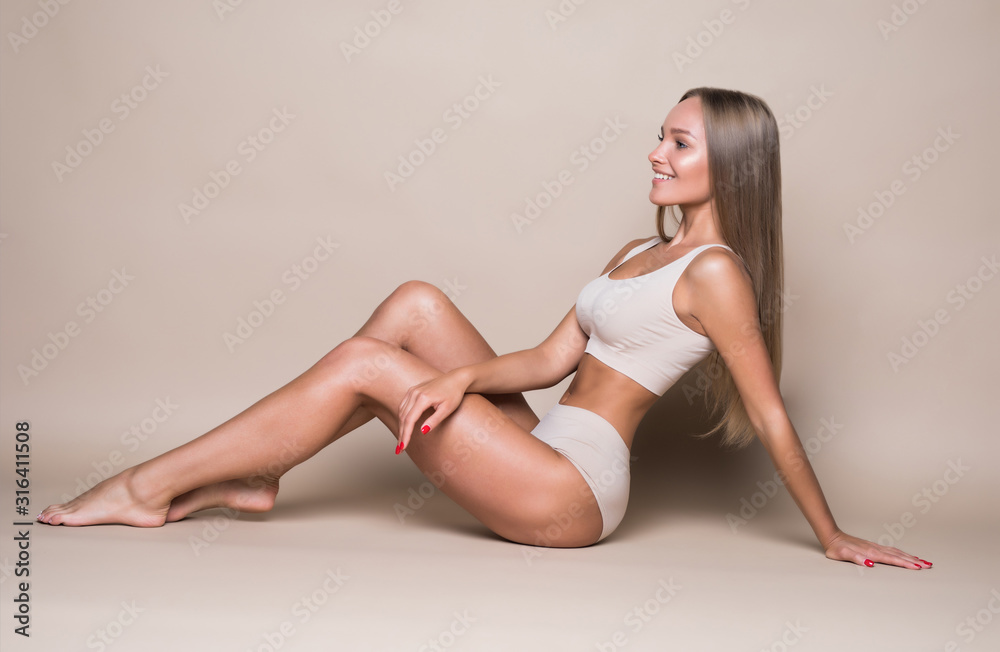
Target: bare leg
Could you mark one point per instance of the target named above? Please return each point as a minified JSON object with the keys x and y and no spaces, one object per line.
{"x":273,"y":435}
{"x":511,"y":481}
{"x":238,"y":463}
{"x":417,"y":317}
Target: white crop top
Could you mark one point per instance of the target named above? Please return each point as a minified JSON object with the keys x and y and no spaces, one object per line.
{"x":633,"y":327}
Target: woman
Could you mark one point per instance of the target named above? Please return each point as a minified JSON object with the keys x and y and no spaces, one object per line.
{"x":423,"y":370}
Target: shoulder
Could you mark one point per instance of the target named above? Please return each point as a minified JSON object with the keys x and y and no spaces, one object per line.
{"x":720,"y":284}
{"x":632,"y":244}
{"x":718,"y":264}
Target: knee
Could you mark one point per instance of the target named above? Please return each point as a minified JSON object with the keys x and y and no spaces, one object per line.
{"x":420,"y":301}
{"x":361,"y":360}
{"x":360,"y":349}
{"x":417,"y":290}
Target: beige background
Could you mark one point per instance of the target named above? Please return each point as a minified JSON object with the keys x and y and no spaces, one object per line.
{"x":856,"y":103}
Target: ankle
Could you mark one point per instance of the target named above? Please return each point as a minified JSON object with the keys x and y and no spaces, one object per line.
{"x":144,"y":487}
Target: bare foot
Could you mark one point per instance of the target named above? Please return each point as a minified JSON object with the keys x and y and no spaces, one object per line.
{"x":115,"y":500}
{"x":251,"y":495}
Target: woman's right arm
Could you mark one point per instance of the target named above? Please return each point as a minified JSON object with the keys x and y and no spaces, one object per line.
{"x":536,"y":368}
{"x":543,"y":366}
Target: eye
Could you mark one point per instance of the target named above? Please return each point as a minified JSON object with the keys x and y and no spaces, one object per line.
{"x":680,"y":144}
{"x":659,"y":136}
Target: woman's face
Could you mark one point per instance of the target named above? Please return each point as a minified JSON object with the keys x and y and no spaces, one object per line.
{"x":683,"y":156}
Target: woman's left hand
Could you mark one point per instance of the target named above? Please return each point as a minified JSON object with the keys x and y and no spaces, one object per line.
{"x":844,"y":547}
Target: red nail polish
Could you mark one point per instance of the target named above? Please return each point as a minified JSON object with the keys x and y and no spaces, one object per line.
{"x":869,"y":563}
{"x":926,"y":562}
{"x":425,"y":429}
{"x":399,"y":447}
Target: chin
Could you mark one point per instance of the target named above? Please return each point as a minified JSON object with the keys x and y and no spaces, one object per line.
{"x":662,"y":199}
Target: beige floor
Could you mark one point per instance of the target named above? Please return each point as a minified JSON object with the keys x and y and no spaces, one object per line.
{"x":334,"y":568}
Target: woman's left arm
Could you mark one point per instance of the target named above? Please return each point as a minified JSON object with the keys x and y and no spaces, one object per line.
{"x":722,"y":300}
{"x":796,"y":473}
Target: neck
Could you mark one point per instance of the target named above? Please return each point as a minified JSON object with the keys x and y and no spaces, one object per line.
{"x":698,"y":226}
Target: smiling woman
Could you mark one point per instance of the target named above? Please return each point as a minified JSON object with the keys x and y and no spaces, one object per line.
{"x":741,"y":172}
{"x":421,"y":368}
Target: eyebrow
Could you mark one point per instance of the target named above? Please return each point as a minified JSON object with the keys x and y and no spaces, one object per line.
{"x":675,"y":130}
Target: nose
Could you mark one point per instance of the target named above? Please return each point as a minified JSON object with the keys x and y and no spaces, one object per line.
{"x":656,"y":156}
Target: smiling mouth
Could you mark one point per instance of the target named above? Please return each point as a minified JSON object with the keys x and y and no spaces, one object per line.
{"x":662,"y":177}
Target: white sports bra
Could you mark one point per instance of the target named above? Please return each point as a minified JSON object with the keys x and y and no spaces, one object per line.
{"x":633,"y":327}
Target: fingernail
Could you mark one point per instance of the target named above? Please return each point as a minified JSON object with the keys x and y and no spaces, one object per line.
{"x":869,"y":563}
{"x":425,"y":429}
{"x":399,"y":447}
{"x":926,"y":562}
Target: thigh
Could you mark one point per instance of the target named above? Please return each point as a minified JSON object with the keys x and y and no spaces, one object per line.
{"x":515,"y":484}
{"x":421,"y":319}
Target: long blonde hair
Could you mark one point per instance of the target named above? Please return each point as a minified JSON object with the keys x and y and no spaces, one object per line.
{"x":744,"y":170}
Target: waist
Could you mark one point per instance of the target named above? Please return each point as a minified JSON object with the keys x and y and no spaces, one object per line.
{"x":615,"y":397}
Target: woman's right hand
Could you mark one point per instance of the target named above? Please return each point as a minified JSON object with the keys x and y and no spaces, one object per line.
{"x":443,"y":393}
